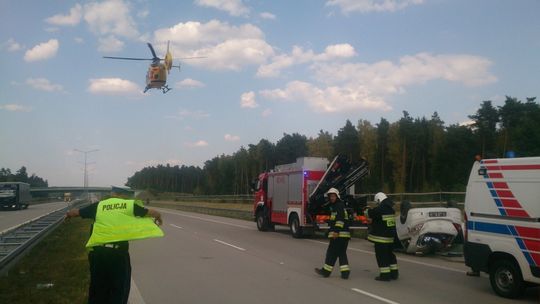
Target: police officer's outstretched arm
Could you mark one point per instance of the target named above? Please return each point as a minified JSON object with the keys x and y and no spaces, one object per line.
{"x":71,"y":213}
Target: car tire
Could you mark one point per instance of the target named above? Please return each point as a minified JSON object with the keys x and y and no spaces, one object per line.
{"x":262,"y":221}
{"x":506,"y":279}
{"x":294,"y":225}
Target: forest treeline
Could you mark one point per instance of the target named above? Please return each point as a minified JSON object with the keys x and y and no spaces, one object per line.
{"x":412,"y":154}
{"x":21,"y":175}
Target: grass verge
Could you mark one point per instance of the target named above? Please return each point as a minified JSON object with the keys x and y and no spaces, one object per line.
{"x":238,"y":211}
{"x":60,"y":259}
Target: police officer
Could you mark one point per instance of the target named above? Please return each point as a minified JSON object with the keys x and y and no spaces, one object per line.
{"x":339,"y":236}
{"x":383,"y":230}
{"x":116,"y":221}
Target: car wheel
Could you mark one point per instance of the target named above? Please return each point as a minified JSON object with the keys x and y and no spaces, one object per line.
{"x":294,"y":225}
{"x":506,"y":280}
{"x":262,"y":221}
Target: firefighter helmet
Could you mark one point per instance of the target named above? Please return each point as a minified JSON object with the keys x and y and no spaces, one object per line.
{"x":379,"y":197}
{"x":334,"y":191}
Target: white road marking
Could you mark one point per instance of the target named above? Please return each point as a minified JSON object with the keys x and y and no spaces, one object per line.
{"x":206,"y":220}
{"x":374,"y":296}
{"x":231,"y":245}
{"x":350,"y":248}
{"x":176,"y":226}
{"x":401,"y":259}
{"x":135,"y":295}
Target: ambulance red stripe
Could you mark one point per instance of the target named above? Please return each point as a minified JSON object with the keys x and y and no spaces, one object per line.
{"x":532,"y":245}
{"x":527,"y":232}
{"x":535,"y":257}
{"x":505,"y":193}
{"x":490,"y":161}
{"x":510,"y":203}
{"x":500,"y":185}
{"x":513,"y":167}
{"x":516,"y":213}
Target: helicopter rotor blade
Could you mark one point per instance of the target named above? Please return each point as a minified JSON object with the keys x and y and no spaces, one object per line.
{"x":152,"y":50}
{"x":128,"y":58}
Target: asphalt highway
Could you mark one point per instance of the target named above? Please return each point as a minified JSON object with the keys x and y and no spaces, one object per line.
{"x":208,"y":259}
{"x":11,"y":218}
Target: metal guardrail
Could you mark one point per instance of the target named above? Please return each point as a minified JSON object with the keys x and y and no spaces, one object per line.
{"x":16,"y":240}
{"x":420,"y":199}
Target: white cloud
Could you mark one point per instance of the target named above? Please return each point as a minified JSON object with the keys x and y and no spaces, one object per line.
{"x":79,"y":40}
{"x":110,"y":18}
{"x":110,"y":44}
{"x":299,"y":56}
{"x":247,"y":100}
{"x":367,"y":6}
{"x":11,"y":45}
{"x":143,"y":13}
{"x":43,"y":84}
{"x":189,"y":83}
{"x":267,"y":15}
{"x":229,"y":137}
{"x":15,"y":108}
{"x":353,"y":86}
{"x":197,"y":144}
{"x":266,"y":113}
{"x":42,"y":51}
{"x":234,"y":54}
{"x":329,"y":99}
{"x":388,"y":77}
{"x":467,"y":123}
{"x":224,"y":46}
{"x":73,"y":18}
{"x":51,"y":29}
{"x":233,"y":7}
{"x":113,"y":86}
{"x":183,"y":114}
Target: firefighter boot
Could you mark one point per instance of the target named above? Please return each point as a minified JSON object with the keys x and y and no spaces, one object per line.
{"x":322,"y":272}
{"x":394,"y":272}
{"x":384,"y":274}
{"x":325,"y":271}
{"x":345,"y":271}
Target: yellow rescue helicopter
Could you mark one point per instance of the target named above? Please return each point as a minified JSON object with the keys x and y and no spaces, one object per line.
{"x":156,"y":77}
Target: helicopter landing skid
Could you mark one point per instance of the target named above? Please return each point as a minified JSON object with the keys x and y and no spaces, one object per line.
{"x":164,"y":89}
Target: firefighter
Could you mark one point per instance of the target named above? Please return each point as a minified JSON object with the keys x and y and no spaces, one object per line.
{"x":383,"y":230}
{"x":339,"y":236}
{"x":116,"y":221}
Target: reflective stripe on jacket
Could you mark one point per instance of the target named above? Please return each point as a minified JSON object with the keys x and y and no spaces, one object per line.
{"x":383,"y":227}
{"x":339,"y":220}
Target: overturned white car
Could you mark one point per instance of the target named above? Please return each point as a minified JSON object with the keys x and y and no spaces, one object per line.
{"x":427,"y":230}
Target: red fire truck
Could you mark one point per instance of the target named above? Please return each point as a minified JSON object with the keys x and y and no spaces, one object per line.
{"x":293,"y":194}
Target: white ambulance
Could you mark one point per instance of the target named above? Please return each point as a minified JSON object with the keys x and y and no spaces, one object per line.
{"x":502,"y":212}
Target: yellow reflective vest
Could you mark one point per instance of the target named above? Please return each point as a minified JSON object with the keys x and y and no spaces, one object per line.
{"x":116,"y":222}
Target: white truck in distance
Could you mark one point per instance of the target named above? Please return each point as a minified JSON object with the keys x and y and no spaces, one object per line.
{"x":502,"y":213}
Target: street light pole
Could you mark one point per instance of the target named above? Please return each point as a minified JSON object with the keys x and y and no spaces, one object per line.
{"x":85,"y":180}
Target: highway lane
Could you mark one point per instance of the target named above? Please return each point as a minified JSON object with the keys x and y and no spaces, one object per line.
{"x":206,"y":259}
{"x":11,"y":218}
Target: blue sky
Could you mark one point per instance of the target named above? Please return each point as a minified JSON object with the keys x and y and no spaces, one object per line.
{"x":271,"y":67}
